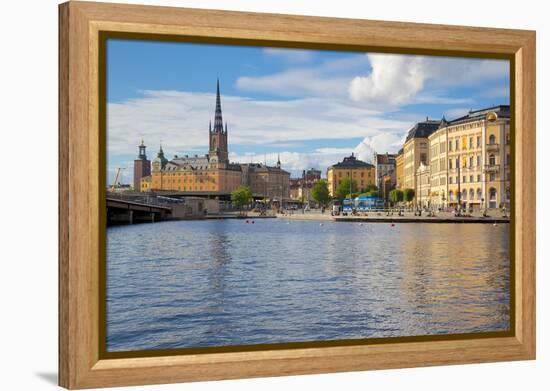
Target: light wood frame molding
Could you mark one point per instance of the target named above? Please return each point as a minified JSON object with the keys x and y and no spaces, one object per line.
{"x":80,"y":23}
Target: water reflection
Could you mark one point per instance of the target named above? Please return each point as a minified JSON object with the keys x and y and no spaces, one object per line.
{"x":213,"y":283}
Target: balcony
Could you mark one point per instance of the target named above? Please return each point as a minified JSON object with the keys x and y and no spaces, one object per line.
{"x":492,"y":147}
{"x":491,"y":168}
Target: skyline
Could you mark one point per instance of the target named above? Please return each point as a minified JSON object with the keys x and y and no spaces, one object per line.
{"x":311,"y":107}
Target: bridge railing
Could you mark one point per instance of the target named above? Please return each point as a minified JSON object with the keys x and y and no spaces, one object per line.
{"x":149,"y":199}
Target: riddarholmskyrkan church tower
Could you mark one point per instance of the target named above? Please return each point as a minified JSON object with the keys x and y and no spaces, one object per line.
{"x":211,"y":174}
{"x":218,"y":136}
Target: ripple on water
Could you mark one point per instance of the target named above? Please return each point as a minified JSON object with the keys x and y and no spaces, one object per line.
{"x":223,"y":282}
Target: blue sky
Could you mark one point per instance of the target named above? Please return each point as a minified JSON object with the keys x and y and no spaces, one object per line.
{"x":311,"y":107}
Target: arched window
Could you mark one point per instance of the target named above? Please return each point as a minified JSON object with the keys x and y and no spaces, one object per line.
{"x":451,"y":196}
{"x":478,"y":194}
{"x":492,"y":139}
{"x":464,"y":194}
{"x":471,"y":194}
{"x":492,"y":160}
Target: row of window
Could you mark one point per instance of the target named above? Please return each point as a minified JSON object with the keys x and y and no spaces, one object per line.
{"x":470,"y":144}
{"x":470,"y":161}
{"x":492,"y":161}
{"x":470,"y":195}
{"x":362,"y":174}
{"x":464,"y":177}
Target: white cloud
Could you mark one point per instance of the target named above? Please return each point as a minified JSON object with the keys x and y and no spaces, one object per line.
{"x":295,"y":162}
{"x":294,"y":83}
{"x":180,"y":120}
{"x":382,"y":81}
{"x":397,"y":80}
{"x":394,"y":79}
{"x":351,"y":97}
{"x":322,"y":158}
{"x":290,"y":55}
{"x":326,"y":79}
{"x":382,"y":143}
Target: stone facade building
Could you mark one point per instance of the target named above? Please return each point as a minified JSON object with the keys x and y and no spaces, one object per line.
{"x":300,"y":188}
{"x":416,"y":150}
{"x":213,"y":174}
{"x":361,"y":172}
{"x":385,"y":172}
{"x":266,"y":182}
{"x":471,"y":160}
{"x":422,"y":191}
{"x":399,"y":163}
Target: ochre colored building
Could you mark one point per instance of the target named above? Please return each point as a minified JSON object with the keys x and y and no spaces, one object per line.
{"x":416,"y":151}
{"x":423,"y":187}
{"x":213,"y":173}
{"x":399,"y":166}
{"x":362,"y":172}
{"x":384,"y":168}
{"x":471,"y":160}
{"x":300,"y":188}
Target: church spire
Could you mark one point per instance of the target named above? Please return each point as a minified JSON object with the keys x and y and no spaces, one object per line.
{"x":278,"y":160}
{"x":218,"y":121}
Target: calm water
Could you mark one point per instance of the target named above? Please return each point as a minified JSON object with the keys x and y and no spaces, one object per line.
{"x":225,"y":282}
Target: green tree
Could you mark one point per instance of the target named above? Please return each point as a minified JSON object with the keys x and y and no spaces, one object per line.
{"x":241,"y":197}
{"x":343,"y":189}
{"x":370,"y":188}
{"x":319,"y":192}
{"x":408,"y":195}
{"x":396,"y":196}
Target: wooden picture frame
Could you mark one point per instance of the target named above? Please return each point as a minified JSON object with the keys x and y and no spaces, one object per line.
{"x":81,"y":173}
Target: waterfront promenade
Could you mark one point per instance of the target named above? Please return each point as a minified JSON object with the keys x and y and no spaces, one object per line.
{"x":407,"y":217}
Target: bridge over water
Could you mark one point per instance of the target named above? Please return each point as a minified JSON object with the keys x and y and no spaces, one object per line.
{"x":138,"y":208}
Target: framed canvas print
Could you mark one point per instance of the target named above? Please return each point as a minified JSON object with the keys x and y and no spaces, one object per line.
{"x":247,"y":195}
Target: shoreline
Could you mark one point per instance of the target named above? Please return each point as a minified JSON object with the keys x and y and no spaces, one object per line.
{"x":397,"y":219}
{"x":346,"y":219}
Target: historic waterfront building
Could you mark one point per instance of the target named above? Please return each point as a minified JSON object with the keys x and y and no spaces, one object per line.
{"x":422,"y":190}
{"x":213,"y":174}
{"x":266,"y":182}
{"x":385,"y":172}
{"x":300,"y":188}
{"x":142,"y":166}
{"x":470,"y":161}
{"x":416,"y":151}
{"x":361,"y":172}
{"x":438,"y":166}
{"x":399,"y":169}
